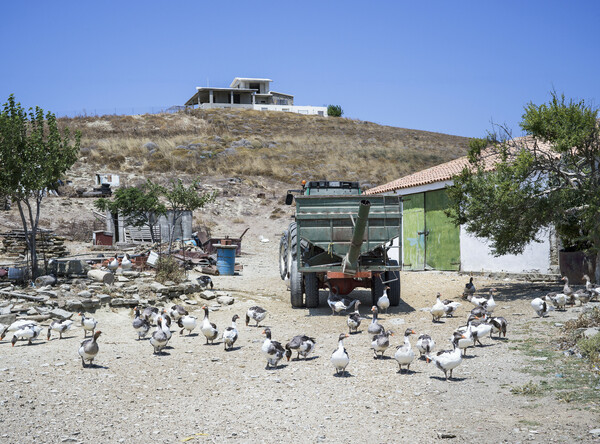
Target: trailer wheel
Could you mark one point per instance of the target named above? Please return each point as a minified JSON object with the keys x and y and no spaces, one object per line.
{"x":393,"y":279}
{"x":292,"y":247}
{"x":311,"y":288}
{"x":283,"y":255}
{"x":377,"y":288}
{"x":296,"y":286}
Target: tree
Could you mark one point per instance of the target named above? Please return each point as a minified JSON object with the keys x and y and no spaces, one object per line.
{"x":34,"y":155}
{"x":335,"y":111}
{"x":181,"y":198}
{"x":550,"y":178}
{"x":140,"y":206}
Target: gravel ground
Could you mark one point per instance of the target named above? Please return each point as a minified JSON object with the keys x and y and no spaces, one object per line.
{"x":201,"y":392}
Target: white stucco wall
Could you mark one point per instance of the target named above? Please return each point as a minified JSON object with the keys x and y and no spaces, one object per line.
{"x":476,"y":256}
{"x":308,"y":110}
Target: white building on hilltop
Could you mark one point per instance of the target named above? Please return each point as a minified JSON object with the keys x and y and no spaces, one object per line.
{"x":250,"y":93}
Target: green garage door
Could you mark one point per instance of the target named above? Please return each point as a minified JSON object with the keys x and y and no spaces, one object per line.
{"x":430,"y":239}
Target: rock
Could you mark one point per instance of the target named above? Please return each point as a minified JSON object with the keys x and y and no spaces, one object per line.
{"x":151,"y":146}
{"x":61,"y":314}
{"x":85,"y":294}
{"x":191,"y":302}
{"x":6,"y":310}
{"x":90,"y":304}
{"x":591,"y":332}
{"x":241,"y":143}
{"x":157,"y":287}
{"x":209,"y":295}
{"x":121,"y":302}
{"x":8,"y":319}
{"x":42,"y":281}
{"x":104,"y":298}
{"x":595,"y":432}
{"x":73,"y":305}
{"x":225,"y":300}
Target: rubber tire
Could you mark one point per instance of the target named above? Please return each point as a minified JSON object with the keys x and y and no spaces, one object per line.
{"x":283,"y":255}
{"x":394,"y":292}
{"x":377,"y":288}
{"x":296,"y":286}
{"x":311,"y":289}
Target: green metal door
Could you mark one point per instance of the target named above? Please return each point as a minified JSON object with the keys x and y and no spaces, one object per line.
{"x":442,"y":245}
{"x":413,"y":232}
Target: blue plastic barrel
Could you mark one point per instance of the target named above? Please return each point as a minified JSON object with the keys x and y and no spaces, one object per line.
{"x":225,"y":259}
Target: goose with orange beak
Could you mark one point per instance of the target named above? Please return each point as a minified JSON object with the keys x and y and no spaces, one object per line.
{"x":404,"y":353}
{"x":340,"y":358}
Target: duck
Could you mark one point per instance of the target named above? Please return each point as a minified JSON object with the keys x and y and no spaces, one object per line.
{"x":273,"y":350}
{"x":337,"y":303}
{"x":28,"y":331}
{"x":480,"y":329}
{"x":166,"y":324}
{"x":88,"y":324}
{"x":477,"y":301}
{"x":230,"y":334}
{"x":568,"y":290}
{"x":447,"y":360}
{"x":302,"y":344}
{"x":113,"y":264}
{"x":404,"y":353}
{"x":340,"y":358}
{"x":540,"y":307}
{"x":450,"y":307}
{"x":469,"y":288}
{"x":559,"y":300}
{"x":89,"y":349}
{"x":177,"y":311}
{"x":354,"y":319}
{"x":583,"y":296}
{"x":15,"y":326}
{"x":479,"y":312}
{"x":140,"y":325}
{"x":126,"y":263}
{"x":463,"y":338}
{"x":257,"y":313}
{"x":209,"y":329}
{"x":205,"y":281}
{"x":499,"y":325}
{"x":594,"y":290}
{"x":151,"y":314}
{"x":425,"y":345}
{"x":159,"y":339}
{"x":381,"y":342}
{"x":490,"y":304}
{"x":375,"y":328}
{"x":438,"y":310}
{"x":187,"y":322}
{"x":383,"y":302}
{"x":60,"y":327}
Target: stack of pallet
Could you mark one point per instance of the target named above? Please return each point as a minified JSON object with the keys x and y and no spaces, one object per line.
{"x":48,"y":244}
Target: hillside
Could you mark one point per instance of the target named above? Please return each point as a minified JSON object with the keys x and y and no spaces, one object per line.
{"x":282,"y":146}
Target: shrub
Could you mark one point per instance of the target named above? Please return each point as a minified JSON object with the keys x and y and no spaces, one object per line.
{"x":168,"y":269}
{"x":335,"y":111}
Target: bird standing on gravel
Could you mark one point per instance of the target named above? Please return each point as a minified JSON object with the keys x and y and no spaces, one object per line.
{"x":205,"y":281}
{"x":340,"y":358}
{"x":257,"y":313}
{"x":89,"y":349}
{"x":381,"y":342}
{"x":28,"y":331}
{"x":209,"y":329}
{"x":469,"y":288}
{"x":60,"y":327}
{"x":498,"y":324}
{"x":272,"y":349}
{"x":354,"y":319}
{"x":4,"y":329}
{"x":230,"y":334}
{"x":140,"y":325}
{"x":383,"y":303}
{"x":159,"y":339}
{"x":187,"y":322}
{"x":450,"y":307}
{"x":404,"y":353}
{"x":375,"y":327}
{"x":447,"y":360}
{"x":425,"y":345}
{"x":302,"y":344}
{"x":126,"y":263}
{"x":177,"y":311}
{"x":337,"y":303}
{"x":113,"y":264}
{"x":438,"y":310}
{"x":88,"y":324}
{"x":540,"y":307}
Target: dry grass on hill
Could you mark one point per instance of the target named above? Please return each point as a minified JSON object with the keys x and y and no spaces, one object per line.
{"x":282,"y":146}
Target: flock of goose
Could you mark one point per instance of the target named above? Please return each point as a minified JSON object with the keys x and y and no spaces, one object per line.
{"x":480,"y":324}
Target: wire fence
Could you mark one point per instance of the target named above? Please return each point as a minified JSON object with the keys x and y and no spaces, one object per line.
{"x":127,"y":111}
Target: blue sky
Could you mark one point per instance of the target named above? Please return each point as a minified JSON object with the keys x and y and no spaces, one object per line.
{"x":446,"y":66}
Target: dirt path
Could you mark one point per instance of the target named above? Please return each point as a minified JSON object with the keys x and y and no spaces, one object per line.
{"x":201,"y":391}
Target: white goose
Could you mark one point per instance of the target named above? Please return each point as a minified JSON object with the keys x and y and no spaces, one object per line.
{"x":450,"y":307}
{"x":404,"y":353}
{"x":230,"y":334}
{"x":29,"y":332}
{"x":302,"y":344}
{"x":425,"y":345}
{"x":463,"y":339}
{"x":209,"y":329}
{"x":340,"y":358}
{"x":383,"y":303}
{"x":559,"y":300}
{"x":490,"y":304}
{"x":88,"y":324}
{"x":17,"y":325}
{"x":594,"y":290}
{"x":337,"y":303}
{"x":354,"y":319}
{"x":159,"y":339}
{"x":540,"y":307}
{"x":499,"y":325}
{"x":381,"y":342}
{"x":438,"y":310}
{"x":140,"y":325}
{"x":60,"y":327}
{"x":177,"y":311}
{"x":257,"y":313}
{"x":273,"y":350}
{"x":375,"y":327}
{"x":187,"y":322}
{"x":126,"y":263}
{"x":113,"y":264}
{"x":447,"y":360}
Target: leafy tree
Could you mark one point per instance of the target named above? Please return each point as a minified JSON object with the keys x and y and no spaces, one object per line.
{"x":140,"y":206}
{"x":180,"y":198}
{"x":34,"y":155}
{"x":550,"y":178}
{"x":335,"y":111}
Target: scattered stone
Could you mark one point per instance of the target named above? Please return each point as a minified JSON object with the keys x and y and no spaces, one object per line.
{"x":595,"y":432}
{"x":73,"y":305}
{"x":591,"y":332}
{"x":209,"y":295}
{"x":85,"y":294}
{"x":445,"y":435}
{"x":59,"y":313}
{"x":225,"y":300}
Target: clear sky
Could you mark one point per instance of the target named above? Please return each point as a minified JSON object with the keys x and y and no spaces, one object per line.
{"x":446,"y":66}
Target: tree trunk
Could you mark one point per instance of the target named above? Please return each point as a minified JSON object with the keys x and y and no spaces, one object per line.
{"x":597,"y":270}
